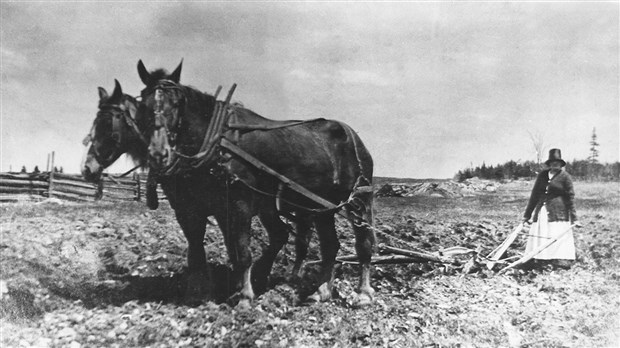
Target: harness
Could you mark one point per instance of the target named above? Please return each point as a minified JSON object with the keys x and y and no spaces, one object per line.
{"x":161,"y":88}
{"x":216,"y":148}
{"x":222,"y":121}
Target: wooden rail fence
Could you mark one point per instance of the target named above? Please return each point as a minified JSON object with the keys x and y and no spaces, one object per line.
{"x":38,"y":186}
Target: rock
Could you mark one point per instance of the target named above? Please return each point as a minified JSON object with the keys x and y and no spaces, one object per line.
{"x":51,"y":201}
{"x":385,"y":191}
{"x":67,"y":334}
{"x":4,"y":290}
{"x":42,"y":342}
{"x":387,"y":228}
{"x":108,"y":231}
{"x":76,"y":318}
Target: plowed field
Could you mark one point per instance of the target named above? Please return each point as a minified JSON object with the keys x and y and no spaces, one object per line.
{"x":112,"y":275}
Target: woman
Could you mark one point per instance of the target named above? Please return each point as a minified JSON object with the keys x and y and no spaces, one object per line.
{"x":552,"y":202}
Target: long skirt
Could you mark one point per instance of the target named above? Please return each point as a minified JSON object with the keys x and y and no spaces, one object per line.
{"x":542,"y":231}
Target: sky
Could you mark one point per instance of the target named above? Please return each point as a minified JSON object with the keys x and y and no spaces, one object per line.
{"x":431,"y":87}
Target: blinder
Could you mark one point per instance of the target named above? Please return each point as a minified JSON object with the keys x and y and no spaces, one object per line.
{"x":118,"y":114}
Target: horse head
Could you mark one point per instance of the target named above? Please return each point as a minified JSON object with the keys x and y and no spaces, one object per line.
{"x":179,"y":114}
{"x":114,"y":132}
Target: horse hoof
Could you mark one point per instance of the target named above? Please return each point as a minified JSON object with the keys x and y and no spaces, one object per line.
{"x":243,"y":305}
{"x":362,"y":300}
{"x":237,"y":298}
{"x":321,"y":295}
{"x":314,"y":298}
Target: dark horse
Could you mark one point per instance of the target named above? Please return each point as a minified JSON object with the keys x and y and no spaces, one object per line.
{"x":115,"y":131}
{"x":326,"y":157}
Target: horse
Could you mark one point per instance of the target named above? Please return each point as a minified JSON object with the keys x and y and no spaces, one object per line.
{"x":115,"y":131}
{"x":326,"y":157}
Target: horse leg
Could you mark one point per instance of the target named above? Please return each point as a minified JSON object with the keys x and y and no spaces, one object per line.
{"x":329,"y":249}
{"x":235,"y":223}
{"x":152,"y":201}
{"x":278,"y":236}
{"x":361,"y":221}
{"x":193,"y":225}
{"x":302,"y":241}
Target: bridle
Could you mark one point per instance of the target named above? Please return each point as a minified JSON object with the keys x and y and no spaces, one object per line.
{"x":119,"y":114}
{"x":162,"y":88}
{"x":208,"y":151}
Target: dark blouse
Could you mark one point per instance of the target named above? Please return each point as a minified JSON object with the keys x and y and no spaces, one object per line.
{"x":556,"y":194}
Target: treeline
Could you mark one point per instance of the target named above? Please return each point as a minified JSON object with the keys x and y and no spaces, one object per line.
{"x":36,"y":170}
{"x":578,"y":169}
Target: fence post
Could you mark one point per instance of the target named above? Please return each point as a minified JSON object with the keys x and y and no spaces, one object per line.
{"x":50,"y":193}
{"x":99,"y":189}
{"x":136,"y":177}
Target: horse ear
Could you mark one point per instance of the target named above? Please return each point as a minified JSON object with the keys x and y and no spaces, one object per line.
{"x":118,"y":91}
{"x":103,"y":94}
{"x":176,"y":74}
{"x":144,"y":74}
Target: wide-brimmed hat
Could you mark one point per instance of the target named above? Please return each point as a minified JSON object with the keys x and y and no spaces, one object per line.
{"x":555,"y":155}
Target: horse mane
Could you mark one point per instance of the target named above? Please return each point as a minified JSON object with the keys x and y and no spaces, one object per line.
{"x":194,"y":93}
{"x":131,"y":99}
{"x":136,"y":154}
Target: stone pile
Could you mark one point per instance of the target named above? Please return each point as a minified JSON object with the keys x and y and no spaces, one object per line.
{"x":450,"y":188}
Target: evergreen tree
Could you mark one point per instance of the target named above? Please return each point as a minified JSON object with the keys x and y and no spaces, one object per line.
{"x":593,"y":158}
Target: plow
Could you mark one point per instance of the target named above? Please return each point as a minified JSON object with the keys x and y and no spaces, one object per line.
{"x":456,"y":256}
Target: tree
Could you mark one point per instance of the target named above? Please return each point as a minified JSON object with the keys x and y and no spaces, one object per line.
{"x":538,"y":142}
{"x":593,"y":158}
{"x":23,"y":170}
{"x":36,"y":170}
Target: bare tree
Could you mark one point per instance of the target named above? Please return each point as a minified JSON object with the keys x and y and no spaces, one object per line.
{"x":538,"y":141}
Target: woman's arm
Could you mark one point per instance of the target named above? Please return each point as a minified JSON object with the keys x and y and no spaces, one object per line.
{"x":537,"y":191}
{"x":569,"y":193}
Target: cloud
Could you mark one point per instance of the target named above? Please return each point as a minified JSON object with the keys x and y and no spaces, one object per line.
{"x":430,"y":86}
{"x":13,"y":60}
{"x":363,"y":77}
